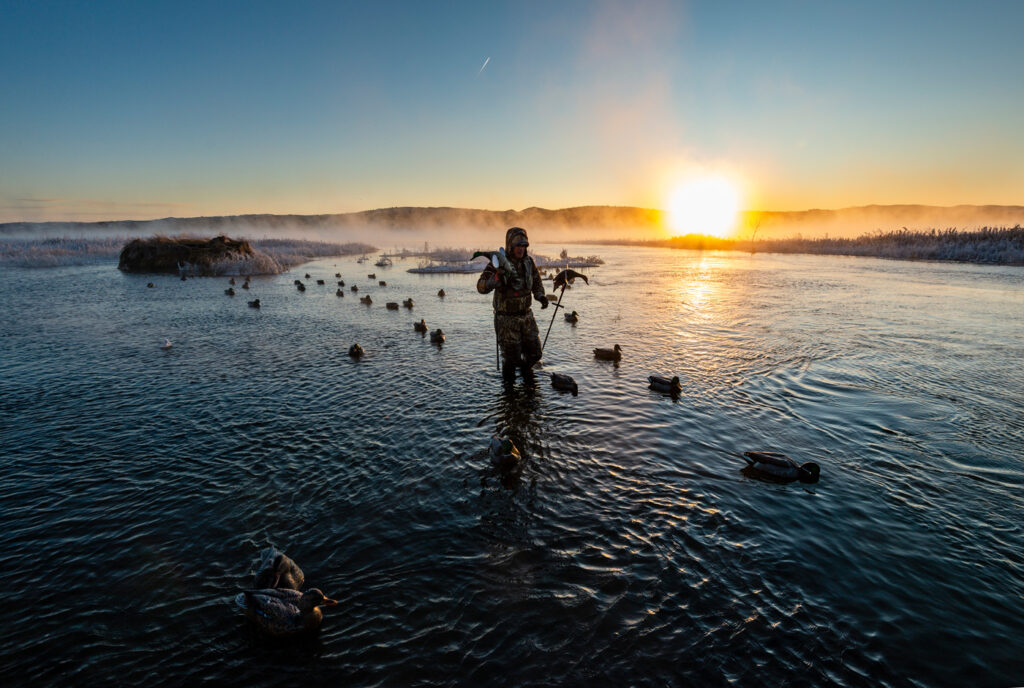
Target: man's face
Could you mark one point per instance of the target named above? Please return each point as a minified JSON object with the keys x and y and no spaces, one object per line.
{"x":519,"y":251}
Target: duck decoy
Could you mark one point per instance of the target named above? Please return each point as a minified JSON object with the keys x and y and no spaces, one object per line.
{"x":382,"y":283}
{"x":372,"y":275}
{"x":297,"y":282}
{"x":421,"y":326}
{"x":664,"y":384}
{"x":408,"y":303}
{"x":614,"y":354}
{"x":779,"y":467}
{"x":440,"y":292}
{"x":231,"y":281}
{"x":301,"y":286}
{"x":355,"y":351}
{"x":339,"y":293}
{"x":229,"y":291}
{"x":504,"y":454}
{"x":320,"y":282}
{"x":573,"y":317}
{"x":166,"y":344}
{"x":366,"y":299}
{"x":355,"y":287}
{"x":150,"y":285}
{"x":277,"y":570}
{"x":437,"y":336}
{"x":341,"y":283}
{"x":567,"y":277}
{"x":307,"y":275}
{"x":392,"y":305}
{"x":564,"y":383}
{"x":337,"y":274}
{"x":284,"y":612}
{"x":245,"y":284}
{"x":254,"y":304}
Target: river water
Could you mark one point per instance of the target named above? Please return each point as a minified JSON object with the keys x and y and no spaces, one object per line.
{"x":138,"y":484}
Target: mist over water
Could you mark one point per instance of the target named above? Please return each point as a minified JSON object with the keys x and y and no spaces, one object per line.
{"x":139,"y":483}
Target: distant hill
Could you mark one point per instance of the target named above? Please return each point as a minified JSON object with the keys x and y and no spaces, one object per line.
{"x":584,"y":222}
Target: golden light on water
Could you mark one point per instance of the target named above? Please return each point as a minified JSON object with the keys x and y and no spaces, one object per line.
{"x":704,"y":205}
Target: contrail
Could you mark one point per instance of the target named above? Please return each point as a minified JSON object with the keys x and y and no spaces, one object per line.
{"x":483,"y":65}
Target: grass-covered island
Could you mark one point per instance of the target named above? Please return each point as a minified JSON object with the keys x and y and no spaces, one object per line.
{"x":987,"y":245}
{"x":461,"y":261}
{"x":187,"y":255}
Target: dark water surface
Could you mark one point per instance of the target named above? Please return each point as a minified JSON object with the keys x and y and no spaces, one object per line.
{"x":138,"y":484}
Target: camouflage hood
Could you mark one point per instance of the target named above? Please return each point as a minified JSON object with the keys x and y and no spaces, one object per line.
{"x":522,"y":280}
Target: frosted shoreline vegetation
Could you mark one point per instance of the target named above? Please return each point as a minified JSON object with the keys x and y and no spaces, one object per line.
{"x":273,"y":256}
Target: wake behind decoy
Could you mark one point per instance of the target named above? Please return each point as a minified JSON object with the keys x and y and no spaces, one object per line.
{"x":614,"y":354}
{"x":284,"y":612}
{"x":667,"y":385}
{"x":564,"y":383}
{"x":277,"y":570}
{"x":778,"y":467}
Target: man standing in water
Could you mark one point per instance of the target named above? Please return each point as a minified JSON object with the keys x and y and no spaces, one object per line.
{"x":514,"y":283}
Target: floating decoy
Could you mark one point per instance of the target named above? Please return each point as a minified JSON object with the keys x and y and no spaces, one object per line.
{"x":355,"y":351}
{"x":614,"y":354}
{"x":664,"y":384}
{"x":254,"y":304}
{"x":355,"y":287}
{"x":573,"y":317}
{"x":341,"y":283}
{"x":337,"y":274}
{"x":408,"y":303}
{"x":320,"y":282}
{"x":437,"y":336}
{"x":392,"y":305}
{"x":277,"y":570}
{"x":504,"y":454}
{"x":778,"y":466}
{"x":245,"y":284}
{"x":383,"y":283}
{"x":183,"y":278}
{"x":421,"y":326}
{"x":301,"y":286}
{"x":366,"y":299}
{"x":297,"y":282}
{"x":339,"y":293}
{"x":372,"y":275}
{"x":150,"y":285}
{"x":440,"y":292}
{"x":284,"y":612}
{"x":231,"y":281}
{"x":564,"y":383}
{"x":307,"y":275}
{"x":230,"y":291}
{"x":166,"y":344}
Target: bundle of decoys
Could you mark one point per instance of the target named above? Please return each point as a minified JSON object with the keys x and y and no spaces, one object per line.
{"x":777,"y":467}
{"x":275,"y":604}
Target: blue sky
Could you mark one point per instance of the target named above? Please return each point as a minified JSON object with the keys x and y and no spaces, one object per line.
{"x":147,"y":109}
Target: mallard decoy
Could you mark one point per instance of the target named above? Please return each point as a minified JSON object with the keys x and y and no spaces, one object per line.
{"x":372,"y":275}
{"x":355,"y":287}
{"x":564,"y":383}
{"x":297,"y":282}
{"x":566,"y":278}
{"x":277,"y":570}
{"x":392,"y":305}
{"x":254,"y":304}
{"x":166,"y":344}
{"x":341,"y":283}
{"x":284,"y":612}
{"x":504,"y":454}
{"x":437,"y":336}
{"x":150,"y":285}
{"x":229,"y":291}
{"x":440,"y":292}
{"x":573,"y":317}
{"x":307,"y":275}
{"x":339,"y":293}
{"x":245,"y":284}
{"x":355,"y":351}
{"x":337,"y":274}
{"x":664,"y":384}
{"x":382,"y":283}
{"x":614,"y":354}
{"x":778,"y":466}
{"x":301,"y":286}
{"x":321,"y":282}
{"x":408,"y":303}
{"x":366,"y":299}
{"x":231,"y":281}
{"x":421,"y":326}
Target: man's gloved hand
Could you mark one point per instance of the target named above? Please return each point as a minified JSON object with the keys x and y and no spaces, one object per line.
{"x":543,"y":303}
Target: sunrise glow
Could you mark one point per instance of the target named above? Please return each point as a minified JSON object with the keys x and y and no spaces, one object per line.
{"x":704,"y":205}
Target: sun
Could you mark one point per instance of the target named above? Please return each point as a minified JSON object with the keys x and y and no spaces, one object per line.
{"x":704,"y":205}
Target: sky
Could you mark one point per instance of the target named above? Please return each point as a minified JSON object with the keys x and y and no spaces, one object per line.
{"x":138,"y":110}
